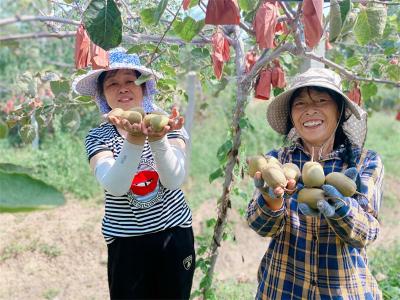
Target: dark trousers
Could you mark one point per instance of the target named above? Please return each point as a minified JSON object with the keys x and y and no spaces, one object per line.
{"x":152,"y":266}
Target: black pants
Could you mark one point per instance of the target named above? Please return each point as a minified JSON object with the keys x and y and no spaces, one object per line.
{"x":152,"y":266}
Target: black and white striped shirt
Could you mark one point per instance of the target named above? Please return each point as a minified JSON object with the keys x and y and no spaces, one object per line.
{"x":146,"y":208}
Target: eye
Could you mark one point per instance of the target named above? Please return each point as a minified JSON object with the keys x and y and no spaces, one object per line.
{"x":298,"y":103}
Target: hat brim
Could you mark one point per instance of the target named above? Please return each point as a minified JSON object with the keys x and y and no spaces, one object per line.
{"x":278,"y":109}
{"x":86,"y":84}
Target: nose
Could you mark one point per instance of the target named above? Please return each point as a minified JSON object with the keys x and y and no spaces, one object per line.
{"x":310,"y":109}
{"x":123,"y":89}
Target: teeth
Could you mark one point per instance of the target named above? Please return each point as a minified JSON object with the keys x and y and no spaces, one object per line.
{"x":312,"y":123}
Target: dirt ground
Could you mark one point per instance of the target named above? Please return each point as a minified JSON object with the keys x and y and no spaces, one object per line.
{"x":60,"y":253}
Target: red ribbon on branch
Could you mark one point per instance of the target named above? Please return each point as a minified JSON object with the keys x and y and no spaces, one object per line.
{"x":88,"y":53}
{"x":221,"y":52}
{"x":263,"y":86}
{"x":265,"y":23}
{"x":355,"y":94}
{"x":312,"y":20}
{"x":222,"y":12}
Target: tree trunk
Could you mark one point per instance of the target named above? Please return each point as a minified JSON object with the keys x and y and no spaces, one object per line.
{"x":225,"y":202}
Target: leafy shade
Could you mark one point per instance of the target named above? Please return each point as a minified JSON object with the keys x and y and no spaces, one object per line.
{"x":370,"y":24}
{"x":152,"y":15}
{"x":21,"y":192}
{"x":103,"y":23}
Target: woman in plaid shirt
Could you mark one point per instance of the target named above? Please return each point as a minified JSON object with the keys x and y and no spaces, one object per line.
{"x":319,"y":253}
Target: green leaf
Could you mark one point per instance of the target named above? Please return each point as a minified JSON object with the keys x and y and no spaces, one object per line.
{"x":84,"y":99}
{"x":353,"y":61}
{"x":368,"y":90}
{"x":103,"y":23}
{"x":21,"y":192}
{"x":370,"y":24}
{"x":3,"y":129}
{"x":188,"y":29}
{"x":223,"y":150}
{"x":200,"y":53}
{"x":390,"y":50}
{"x":393,"y":72}
{"x":247,"y":5}
{"x":60,"y":86}
{"x":152,"y":15}
{"x":216,"y":174}
{"x":71,"y":120}
{"x":142,"y":79}
{"x":337,"y":17}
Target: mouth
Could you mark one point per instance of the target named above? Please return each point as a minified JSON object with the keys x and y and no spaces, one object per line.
{"x":313,"y":124}
{"x":125,"y":100}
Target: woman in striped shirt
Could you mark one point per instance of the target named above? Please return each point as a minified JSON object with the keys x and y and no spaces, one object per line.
{"x":319,"y":253}
{"x":147,"y":224}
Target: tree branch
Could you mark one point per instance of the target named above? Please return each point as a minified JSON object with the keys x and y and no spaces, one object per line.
{"x":349,"y":75}
{"x":133,"y":38}
{"x":17,"y":19}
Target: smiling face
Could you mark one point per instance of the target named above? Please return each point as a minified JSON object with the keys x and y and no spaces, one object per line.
{"x":315,"y":116}
{"x":120,"y":90}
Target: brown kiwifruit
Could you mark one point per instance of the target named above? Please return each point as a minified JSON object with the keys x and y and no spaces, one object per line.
{"x":313,"y":174}
{"x":273,"y":176}
{"x":273,"y":160}
{"x":158,"y":122}
{"x":140,"y":110}
{"x":343,"y":183}
{"x":116,"y":112}
{"x":310,"y":196}
{"x":256,"y":163}
{"x":133,"y":117}
{"x":291,"y":171}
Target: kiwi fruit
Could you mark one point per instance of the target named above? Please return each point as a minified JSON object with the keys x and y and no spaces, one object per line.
{"x":313,"y":174}
{"x":256,"y":163}
{"x":291,"y":171}
{"x":140,"y":110}
{"x":272,"y":160}
{"x":310,"y":196}
{"x":132,"y":116}
{"x":157,"y":122}
{"x":344,"y":184}
{"x":274,"y":176}
{"x":116,"y":112}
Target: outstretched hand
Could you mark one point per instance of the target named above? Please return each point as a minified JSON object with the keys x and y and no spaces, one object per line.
{"x":140,"y":130}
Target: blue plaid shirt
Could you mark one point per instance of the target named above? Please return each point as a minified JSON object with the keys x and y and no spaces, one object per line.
{"x":317,"y":257}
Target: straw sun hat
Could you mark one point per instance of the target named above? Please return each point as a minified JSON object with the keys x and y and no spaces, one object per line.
{"x":355,"y":125}
{"x":87,"y":84}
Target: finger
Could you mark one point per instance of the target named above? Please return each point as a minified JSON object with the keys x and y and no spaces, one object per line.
{"x":279,"y":191}
{"x":291,"y":184}
{"x":325,"y":208}
{"x":258,"y":182}
{"x":331,"y":191}
{"x":307,"y":210}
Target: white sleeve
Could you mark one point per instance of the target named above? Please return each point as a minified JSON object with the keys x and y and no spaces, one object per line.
{"x":170,"y":163}
{"x":115,"y":175}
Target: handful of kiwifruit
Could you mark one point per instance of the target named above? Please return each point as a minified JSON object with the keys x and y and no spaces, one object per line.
{"x":155,"y":120}
{"x":277,"y":175}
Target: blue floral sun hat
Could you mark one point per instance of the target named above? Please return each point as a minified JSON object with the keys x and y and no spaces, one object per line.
{"x":87,"y":84}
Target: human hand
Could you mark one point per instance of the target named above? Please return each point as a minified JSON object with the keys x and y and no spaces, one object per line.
{"x":277,"y":192}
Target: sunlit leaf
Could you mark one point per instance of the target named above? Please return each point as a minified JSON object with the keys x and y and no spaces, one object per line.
{"x":103,"y":23}
{"x":188,"y":29}
{"x":370,"y":24}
